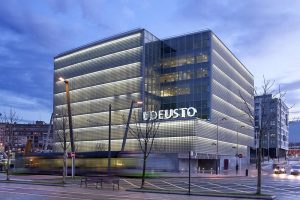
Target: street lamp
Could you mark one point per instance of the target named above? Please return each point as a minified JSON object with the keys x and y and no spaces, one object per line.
{"x":70,"y":124}
{"x":217,"y":153}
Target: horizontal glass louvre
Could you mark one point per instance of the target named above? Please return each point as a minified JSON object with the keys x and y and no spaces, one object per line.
{"x":101,"y":63}
{"x":99,"y":105}
{"x":128,"y":86}
{"x":99,"y":50}
{"x":100,"y":77}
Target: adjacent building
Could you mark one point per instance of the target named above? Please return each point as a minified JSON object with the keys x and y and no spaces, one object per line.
{"x":294,"y":138}
{"x":31,"y":136}
{"x":272,"y":114}
{"x":194,"y":74}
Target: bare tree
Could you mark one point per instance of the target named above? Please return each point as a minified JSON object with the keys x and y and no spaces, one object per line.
{"x":144,"y":132}
{"x":9,"y":119}
{"x":262,"y":123}
{"x":62,"y":137}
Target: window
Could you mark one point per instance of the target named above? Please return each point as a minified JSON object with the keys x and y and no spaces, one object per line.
{"x":182,"y":75}
{"x":201,"y":58}
{"x":174,"y":91}
{"x":203,"y":72}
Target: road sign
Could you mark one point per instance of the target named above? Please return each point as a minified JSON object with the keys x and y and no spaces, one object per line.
{"x":240,"y":155}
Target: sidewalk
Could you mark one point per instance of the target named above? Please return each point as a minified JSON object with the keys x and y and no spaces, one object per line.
{"x":222,"y":174}
{"x":33,"y":179}
{"x":57,"y":180}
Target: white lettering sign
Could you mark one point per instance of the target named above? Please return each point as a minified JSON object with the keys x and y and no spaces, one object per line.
{"x":172,"y":113}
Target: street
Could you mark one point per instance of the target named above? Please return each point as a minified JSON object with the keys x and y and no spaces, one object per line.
{"x":35,"y":192}
{"x":283,"y":186}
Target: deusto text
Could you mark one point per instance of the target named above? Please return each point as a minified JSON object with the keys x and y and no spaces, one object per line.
{"x":172,"y":113}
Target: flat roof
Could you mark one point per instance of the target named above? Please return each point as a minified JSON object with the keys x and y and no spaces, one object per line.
{"x":99,"y":42}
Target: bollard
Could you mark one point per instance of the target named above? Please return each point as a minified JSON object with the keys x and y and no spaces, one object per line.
{"x":246,"y":172}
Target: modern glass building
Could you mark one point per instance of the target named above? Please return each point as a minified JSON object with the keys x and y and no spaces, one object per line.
{"x":195,"y":70}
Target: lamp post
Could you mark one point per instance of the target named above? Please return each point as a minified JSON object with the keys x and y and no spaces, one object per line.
{"x":217,"y":153}
{"x":70,"y":124}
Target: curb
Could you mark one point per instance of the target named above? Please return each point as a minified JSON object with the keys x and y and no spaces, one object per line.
{"x":32,"y":183}
{"x":240,"y":196}
{"x":204,"y":177}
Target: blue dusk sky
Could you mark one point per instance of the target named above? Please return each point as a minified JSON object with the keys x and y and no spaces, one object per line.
{"x":264,"y":35}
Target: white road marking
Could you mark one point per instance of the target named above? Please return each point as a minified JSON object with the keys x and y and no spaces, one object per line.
{"x":250,"y":186}
{"x":130,"y":183}
{"x":202,"y":187}
{"x":277,"y":188}
{"x":271,"y":191}
{"x":155,"y":186}
{"x":175,"y":185}
{"x":227,"y":187}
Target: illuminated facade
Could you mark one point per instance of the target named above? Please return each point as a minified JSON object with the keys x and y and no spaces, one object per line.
{"x":194,"y":70}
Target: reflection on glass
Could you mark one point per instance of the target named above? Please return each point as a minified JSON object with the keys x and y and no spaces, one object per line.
{"x":184,"y":60}
{"x":176,"y":76}
{"x":203,"y":72}
{"x":201,"y":58}
{"x":175,"y":91}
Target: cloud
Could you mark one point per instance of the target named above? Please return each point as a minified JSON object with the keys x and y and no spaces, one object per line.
{"x":27,"y":107}
{"x":262,"y":34}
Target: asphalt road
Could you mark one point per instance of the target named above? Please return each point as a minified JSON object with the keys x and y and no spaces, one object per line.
{"x":10,"y":191}
{"x":285,"y":187}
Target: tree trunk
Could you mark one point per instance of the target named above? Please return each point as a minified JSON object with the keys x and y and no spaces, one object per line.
{"x":64,"y":167}
{"x":144,"y":164}
{"x":144,"y":171}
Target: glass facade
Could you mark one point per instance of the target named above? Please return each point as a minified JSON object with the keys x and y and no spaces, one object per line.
{"x":99,"y":74}
{"x":184,"y":76}
{"x":193,"y":70}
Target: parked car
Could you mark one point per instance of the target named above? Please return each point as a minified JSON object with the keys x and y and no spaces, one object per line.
{"x":279,"y":169}
{"x":295,"y":170}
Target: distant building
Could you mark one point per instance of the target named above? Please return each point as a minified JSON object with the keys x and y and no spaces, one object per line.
{"x":275,"y":141}
{"x":294,"y":138}
{"x":32,"y":135}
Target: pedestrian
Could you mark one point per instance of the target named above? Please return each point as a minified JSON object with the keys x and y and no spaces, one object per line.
{"x":236,"y":169}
